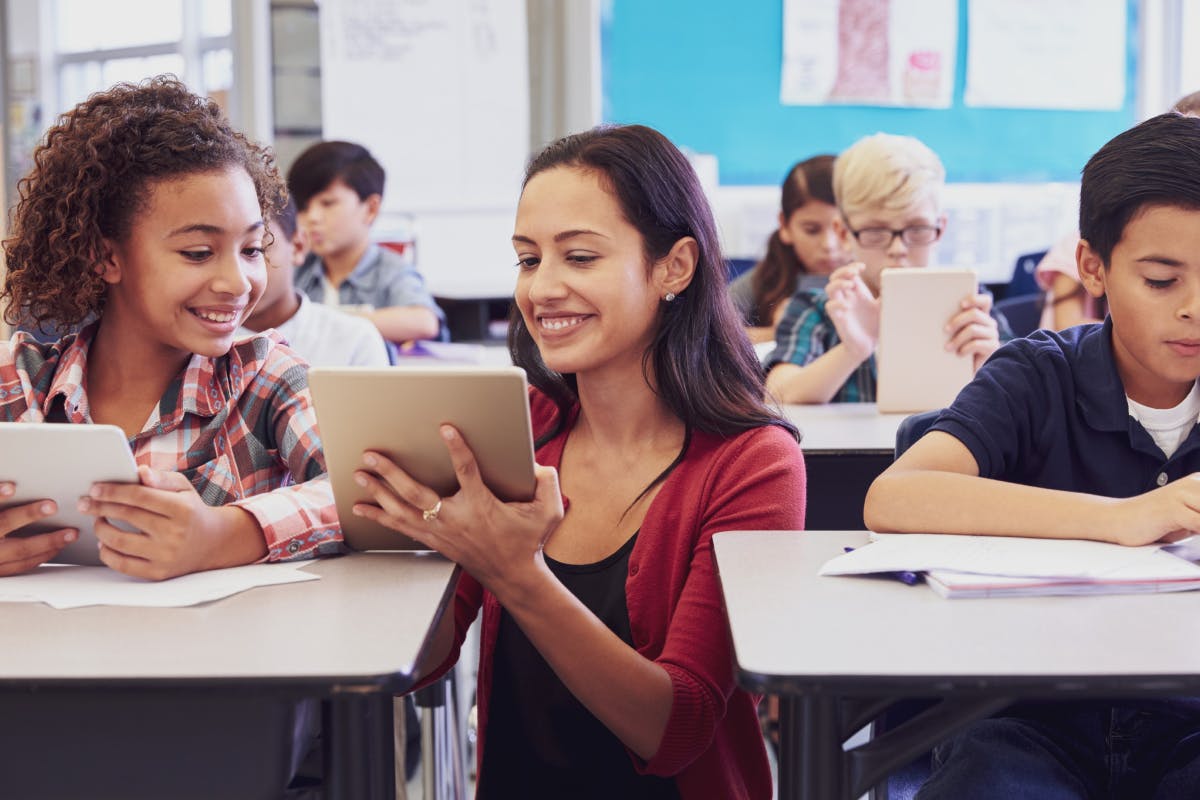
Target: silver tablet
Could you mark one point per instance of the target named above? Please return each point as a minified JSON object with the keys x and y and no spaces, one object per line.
{"x":60,"y":462}
{"x":397,"y":411}
{"x":915,"y":371}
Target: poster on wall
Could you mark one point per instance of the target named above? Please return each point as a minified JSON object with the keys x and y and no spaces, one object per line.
{"x":868,"y":52}
{"x":1069,"y":54}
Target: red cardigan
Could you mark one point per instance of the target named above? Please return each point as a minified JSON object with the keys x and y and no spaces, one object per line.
{"x":754,"y":481}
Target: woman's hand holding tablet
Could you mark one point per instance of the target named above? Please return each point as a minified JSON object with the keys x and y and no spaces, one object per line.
{"x":397,"y":413}
{"x":494,"y":541}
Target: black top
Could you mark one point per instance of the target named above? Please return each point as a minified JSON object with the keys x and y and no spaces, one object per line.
{"x":541,"y":741}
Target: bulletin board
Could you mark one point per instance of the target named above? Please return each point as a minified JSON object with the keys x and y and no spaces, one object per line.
{"x":707,"y":74}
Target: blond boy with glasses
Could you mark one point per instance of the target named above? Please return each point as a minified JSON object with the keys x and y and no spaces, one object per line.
{"x":888,"y":190}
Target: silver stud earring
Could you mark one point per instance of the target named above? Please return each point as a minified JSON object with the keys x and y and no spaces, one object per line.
{"x":669,"y":296}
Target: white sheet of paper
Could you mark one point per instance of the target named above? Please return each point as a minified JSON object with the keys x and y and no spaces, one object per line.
{"x":1011,"y":556}
{"x":74,"y":587}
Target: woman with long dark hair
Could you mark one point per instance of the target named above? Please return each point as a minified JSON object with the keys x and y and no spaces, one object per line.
{"x":606,"y":668}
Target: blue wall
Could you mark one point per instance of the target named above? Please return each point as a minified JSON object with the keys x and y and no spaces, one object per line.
{"x":706,"y":73}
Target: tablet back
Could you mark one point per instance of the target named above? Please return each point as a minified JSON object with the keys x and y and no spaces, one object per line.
{"x":915,"y":371}
{"x":60,"y":462}
{"x":397,"y":411}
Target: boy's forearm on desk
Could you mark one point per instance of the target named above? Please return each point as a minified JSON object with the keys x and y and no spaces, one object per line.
{"x":404,"y":323}
{"x":816,"y":382}
{"x":931,"y":501}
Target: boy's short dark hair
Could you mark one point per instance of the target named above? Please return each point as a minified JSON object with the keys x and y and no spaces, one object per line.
{"x":325,"y":162}
{"x":1156,"y":163}
{"x":286,"y":219}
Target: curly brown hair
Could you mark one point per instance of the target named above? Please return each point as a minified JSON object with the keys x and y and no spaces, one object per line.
{"x":92,"y":175}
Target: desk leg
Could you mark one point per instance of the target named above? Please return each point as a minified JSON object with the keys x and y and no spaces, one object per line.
{"x":359,"y":757}
{"x":811,"y":762}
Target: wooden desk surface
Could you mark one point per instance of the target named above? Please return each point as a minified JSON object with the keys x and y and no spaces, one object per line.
{"x":796,"y":631}
{"x":839,"y":427}
{"x":367,"y":620}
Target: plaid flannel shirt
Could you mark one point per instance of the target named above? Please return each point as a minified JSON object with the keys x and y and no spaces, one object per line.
{"x":240,"y":428}
{"x":806,"y":332}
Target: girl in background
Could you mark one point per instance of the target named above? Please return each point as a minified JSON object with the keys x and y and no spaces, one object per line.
{"x":805,"y":244}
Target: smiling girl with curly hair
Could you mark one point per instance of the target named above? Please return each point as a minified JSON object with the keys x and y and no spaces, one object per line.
{"x":144,"y":211}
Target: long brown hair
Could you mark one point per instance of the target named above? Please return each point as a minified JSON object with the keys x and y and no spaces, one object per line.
{"x":775,"y":277}
{"x":704,"y":367}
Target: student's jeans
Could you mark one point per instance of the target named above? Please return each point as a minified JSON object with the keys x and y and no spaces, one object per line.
{"x":1140,"y":750}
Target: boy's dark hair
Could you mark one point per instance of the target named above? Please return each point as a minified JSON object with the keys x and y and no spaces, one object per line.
{"x":1156,"y":163}
{"x":325,"y":162}
{"x":776,"y":275}
{"x":286,"y":219}
{"x":704,"y":368}
{"x":90,"y":180}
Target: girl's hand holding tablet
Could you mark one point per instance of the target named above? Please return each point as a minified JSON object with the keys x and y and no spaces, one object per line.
{"x":22,"y":554}
{"x":167,"y":528}
{"x":498,"y":543}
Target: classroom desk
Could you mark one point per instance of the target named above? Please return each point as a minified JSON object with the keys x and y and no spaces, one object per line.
{"x":846,"y":445}
{"x":841,"y":650}
{"x":471,"y":319}
{"x":200,"y":701}
{"x":472,"y":305}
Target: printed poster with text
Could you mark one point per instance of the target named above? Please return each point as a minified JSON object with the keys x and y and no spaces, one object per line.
{"x":869,"y":52}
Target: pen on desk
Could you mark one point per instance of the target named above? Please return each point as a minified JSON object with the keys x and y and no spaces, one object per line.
{"x":907,"y":577}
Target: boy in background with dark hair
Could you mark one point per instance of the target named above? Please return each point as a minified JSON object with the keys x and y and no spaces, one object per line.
{"x":322,"y":335}
{"x":1088,"y":433}
{"x":338,"y":189}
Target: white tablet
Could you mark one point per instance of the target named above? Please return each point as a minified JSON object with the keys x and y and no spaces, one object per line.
{"x":397,"y":411}
{"x":915,"y":371}
{"x":60,"y":462}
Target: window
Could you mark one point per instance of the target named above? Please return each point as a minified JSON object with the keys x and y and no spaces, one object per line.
{"x":95,"y":45}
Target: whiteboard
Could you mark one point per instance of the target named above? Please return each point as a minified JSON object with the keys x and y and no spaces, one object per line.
{"x":437,"y":90}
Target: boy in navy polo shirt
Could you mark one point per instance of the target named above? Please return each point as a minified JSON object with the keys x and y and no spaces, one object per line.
{"x":1090,"y":433}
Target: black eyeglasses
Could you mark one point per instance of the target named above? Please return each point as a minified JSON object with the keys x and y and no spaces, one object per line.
{"x":879,"y":238}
